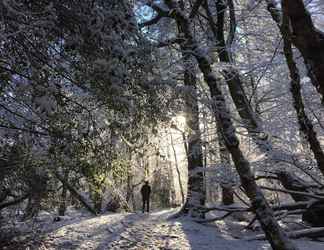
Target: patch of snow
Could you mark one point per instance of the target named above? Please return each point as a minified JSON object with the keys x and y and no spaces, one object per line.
{"x":151,"y":231}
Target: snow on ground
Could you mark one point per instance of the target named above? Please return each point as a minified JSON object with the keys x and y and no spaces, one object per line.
{"x":143,"y":231}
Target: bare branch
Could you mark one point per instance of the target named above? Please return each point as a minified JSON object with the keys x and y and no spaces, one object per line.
{"x":293,"y":192}
{"x":195,"y":8}
{"x":232,"y":30}
{"x":153,"y":21}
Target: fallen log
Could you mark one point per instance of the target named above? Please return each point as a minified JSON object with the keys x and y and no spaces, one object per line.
{"x":291,"y":206}
{"x":226,"y":209}
{"x":307,"y":196}
{"x":214,"y":218}
{"x":314,"y":214}
{"x":13,"y":202}
{"x":299,"y":189}
{"x":302,"y":191}
{"x":311,"y":232}
{"x":286,"y":206}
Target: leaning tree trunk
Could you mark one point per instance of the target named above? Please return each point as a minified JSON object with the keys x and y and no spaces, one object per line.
{"x":277,"y":238}
{"x":305,"y":124}
{"x":252,"y":122}
{"x":75,"y":193}
{"x":308,"y":40}
{"x":264,"y":213}
{"x":232,"y":77}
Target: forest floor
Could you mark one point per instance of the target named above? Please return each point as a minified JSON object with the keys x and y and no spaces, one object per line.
{"x":136,"y":231}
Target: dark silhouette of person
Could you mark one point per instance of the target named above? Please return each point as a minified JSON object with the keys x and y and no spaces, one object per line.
{"x":146,"y":191}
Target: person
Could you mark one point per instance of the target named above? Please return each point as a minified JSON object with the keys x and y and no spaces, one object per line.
{"x":146,"y":191}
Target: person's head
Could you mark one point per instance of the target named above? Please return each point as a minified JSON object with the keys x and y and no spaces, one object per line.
{"x":146,"y":182}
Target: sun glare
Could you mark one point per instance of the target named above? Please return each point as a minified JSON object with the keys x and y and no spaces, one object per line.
{"x":179,"y":121}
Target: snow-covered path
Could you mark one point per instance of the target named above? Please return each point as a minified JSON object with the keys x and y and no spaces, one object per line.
{"x":153,"y":231}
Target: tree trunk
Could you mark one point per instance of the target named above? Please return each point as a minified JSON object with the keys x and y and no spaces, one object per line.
{"x":173,"y":196}
{"x":227,"y":194}
{"x":305,"y":124}
{"x":38,"y":188}
{"x":274,"y":233}
{"x":178,"y":171}
{"x":233,"y":79}
{"x":308,"y":40}
{"x":196,"y":193}
{"x":225,"y":159}
{"x":130,"y":180}
{"x":277,"y":238}
{"x":62,"y":207}
{"x":130,"y":191}
{"x":33,"y":206}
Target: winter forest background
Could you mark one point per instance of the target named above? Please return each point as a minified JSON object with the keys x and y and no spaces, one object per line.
{"x":217,"y":103}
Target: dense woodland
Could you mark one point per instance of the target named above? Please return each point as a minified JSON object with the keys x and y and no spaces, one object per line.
{"x":217,"y":103}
